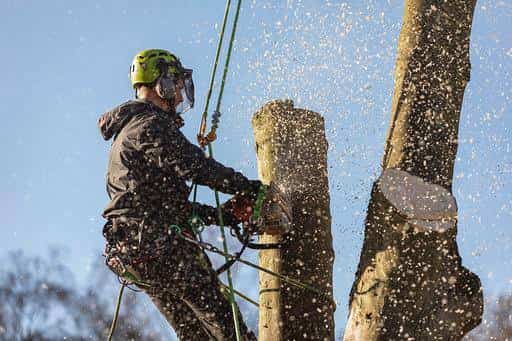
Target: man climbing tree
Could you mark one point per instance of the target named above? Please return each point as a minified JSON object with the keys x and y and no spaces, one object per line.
{"x":150,"y":162}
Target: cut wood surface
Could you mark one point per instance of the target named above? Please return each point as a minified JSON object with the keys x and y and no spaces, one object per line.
{"x":292,"y":153}
{"x":410,"y":283}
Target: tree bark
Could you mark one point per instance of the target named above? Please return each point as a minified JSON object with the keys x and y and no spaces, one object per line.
{"x":292,"y":152}
{"x":410,"y":283}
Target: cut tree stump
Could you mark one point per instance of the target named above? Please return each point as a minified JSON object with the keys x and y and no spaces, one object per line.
{"x":292,"y":153}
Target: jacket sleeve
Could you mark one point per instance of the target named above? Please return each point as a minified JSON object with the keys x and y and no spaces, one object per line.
{"x":207,"y":213}
{"x":174,"y":151}
{"x":210,"y":216}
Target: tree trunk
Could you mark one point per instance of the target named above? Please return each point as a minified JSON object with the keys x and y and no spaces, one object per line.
{"x":292,"y":152}
{"x":410,"y":283}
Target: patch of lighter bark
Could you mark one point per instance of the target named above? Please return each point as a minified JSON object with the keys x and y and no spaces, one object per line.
{"x":426,"y":206}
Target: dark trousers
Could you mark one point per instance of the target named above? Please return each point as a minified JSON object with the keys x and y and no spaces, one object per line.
{"x":180,"y":280}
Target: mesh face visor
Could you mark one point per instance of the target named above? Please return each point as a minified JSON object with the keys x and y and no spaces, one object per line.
{"x":166,"y":84}
{"x":189,"y":86}
{"x":187,"y":92}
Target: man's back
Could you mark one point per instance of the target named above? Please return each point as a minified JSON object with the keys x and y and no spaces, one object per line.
{"x":137,"y":183}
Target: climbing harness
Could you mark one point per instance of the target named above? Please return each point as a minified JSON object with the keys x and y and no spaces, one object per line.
{"x":126,"y":279}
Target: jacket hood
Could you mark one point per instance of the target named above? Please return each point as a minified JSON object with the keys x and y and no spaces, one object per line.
{"x":112,"y":121}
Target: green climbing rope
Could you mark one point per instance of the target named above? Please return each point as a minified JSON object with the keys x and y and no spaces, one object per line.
{"x":217,"y":199}
{"x":210,"y":148}
{"x":204,"y":116}
{"x":242,"y":295}
{"x":228,"y":56}
{"x":116,"y":312}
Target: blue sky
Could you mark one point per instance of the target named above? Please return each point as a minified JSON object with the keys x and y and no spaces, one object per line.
{"x":65,"y":62}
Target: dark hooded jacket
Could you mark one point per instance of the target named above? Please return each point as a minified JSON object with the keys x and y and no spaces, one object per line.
{"x":151,"y":161}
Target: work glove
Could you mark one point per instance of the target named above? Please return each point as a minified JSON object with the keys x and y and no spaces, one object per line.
{"x":240,"y":206}
{"x":238,"y":209}
{"x":229,"y":219}
{"x":257,"y":210}
{"x":267,"y":209}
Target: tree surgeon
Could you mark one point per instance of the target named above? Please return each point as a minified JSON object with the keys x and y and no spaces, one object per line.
{"x":150,"y":162}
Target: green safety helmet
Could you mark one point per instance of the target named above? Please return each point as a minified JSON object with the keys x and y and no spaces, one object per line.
{"x":145,"y":68}
{"x":163,"y":69}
